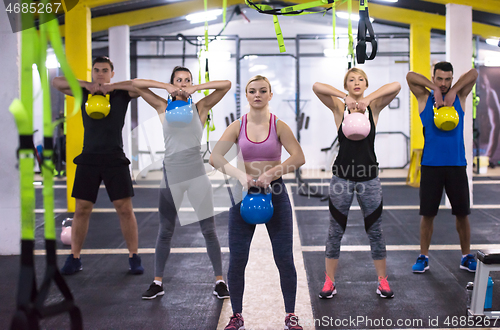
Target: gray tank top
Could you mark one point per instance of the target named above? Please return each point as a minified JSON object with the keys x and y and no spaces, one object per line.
{"x":183,"y":144}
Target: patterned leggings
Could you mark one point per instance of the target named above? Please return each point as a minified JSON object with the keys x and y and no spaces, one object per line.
{"x":369,"y":195}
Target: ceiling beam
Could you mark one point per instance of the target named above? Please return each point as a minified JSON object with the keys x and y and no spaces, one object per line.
{"x":159,"y":13}
{"x":485,"y":31}
{"x":99,"y":3}
{"x":489,"y":6}
{"x":377,"y":11}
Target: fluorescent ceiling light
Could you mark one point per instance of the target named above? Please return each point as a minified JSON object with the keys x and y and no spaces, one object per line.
{"x":204,"y":16}
{"x":493,"y":42}
{"x":354,"y":17}
{"x":389,"y":0}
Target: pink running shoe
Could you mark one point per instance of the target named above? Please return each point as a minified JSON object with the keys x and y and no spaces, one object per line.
{"x":328,"y":289}
{"x":384,"y":290}
{"x":235,"y":323}
{"x":292,"y":322}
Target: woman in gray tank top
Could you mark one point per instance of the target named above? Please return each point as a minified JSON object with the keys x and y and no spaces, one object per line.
{"x":183,"y":169}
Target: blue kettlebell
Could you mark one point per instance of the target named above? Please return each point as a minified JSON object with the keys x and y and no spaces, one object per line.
{"x":179,"y":113}
{"x":257,"y":206}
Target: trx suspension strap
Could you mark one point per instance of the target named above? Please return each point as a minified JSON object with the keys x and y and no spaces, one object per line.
{"x":475,"y":103}
{"x":475,"y":97}
{"x":350,"y":47}
{"x":224,"y":12}
{"x":28,"y":299}
{"x":25,"y":316}
{"x":209,"y":123}
{"x":364,"y":26}
{"x":52,"y":273}
{"x":295,"y":10}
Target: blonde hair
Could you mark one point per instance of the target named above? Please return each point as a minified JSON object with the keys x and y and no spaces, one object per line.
{"x":257,"y":78}
{"x":358,"y":71}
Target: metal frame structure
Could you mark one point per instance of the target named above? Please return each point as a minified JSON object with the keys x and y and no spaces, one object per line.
{"x":161,"y":40}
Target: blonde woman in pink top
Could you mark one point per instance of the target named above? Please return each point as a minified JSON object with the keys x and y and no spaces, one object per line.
{"x":259,"y":136}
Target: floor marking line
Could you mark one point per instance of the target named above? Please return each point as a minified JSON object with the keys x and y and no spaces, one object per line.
{"x":325,"y":184}
{"x":304,"y":248}
{"x":395,"y":207}
{"x":297,"y":208}
{"x":136,"y":210}
{"x":125,"y":251}
{"x":434,"y":247}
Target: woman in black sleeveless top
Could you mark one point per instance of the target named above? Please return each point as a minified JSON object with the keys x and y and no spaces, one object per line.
{"x":355,"y":171}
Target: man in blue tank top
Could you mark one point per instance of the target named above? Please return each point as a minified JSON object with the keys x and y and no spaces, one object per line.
{"x":443,"y":160}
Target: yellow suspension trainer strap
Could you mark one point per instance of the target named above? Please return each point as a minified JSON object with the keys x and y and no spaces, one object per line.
{"x":30,"y":307}
{"x":295,"y":10}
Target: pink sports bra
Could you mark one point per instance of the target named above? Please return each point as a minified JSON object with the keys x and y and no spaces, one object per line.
{"x":267,"y":150}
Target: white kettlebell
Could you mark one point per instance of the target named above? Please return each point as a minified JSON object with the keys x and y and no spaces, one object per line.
{"x":66,"y":231}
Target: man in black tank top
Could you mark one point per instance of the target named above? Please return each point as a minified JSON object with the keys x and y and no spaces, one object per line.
{"x":102,"y":159}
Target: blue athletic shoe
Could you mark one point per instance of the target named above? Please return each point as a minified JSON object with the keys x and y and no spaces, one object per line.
{"x":421,"y":265}
{"x":71,"y":266}
{"x":135,"y":265}
{"x":468,"y":263}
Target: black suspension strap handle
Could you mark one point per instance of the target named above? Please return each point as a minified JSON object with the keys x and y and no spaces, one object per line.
{"x":365,"y":26}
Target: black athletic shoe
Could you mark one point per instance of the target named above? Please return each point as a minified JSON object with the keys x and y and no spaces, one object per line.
{"x":135,"y":265}
{"x":154,"y":291}
{"x":71,"y":266}
{"x":221,"y":290}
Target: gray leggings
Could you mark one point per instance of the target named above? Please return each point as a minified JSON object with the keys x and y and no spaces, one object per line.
{"x":168,"y":216}
{"x":369,"y":195}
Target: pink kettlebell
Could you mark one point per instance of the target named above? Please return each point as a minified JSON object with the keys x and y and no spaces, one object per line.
{"x":66,"y":231}
{"x":356,"y":126}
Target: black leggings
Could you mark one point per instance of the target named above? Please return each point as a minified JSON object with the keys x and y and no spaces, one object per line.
{"x":280,"y":229}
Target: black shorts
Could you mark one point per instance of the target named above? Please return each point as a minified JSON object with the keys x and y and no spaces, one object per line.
{"x":456,"y":184}
{"x":88,"y":179}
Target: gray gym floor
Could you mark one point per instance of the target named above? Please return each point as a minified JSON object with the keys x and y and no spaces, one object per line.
{"x":109,"y":298}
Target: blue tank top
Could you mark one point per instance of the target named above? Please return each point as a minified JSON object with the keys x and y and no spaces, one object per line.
{"x":442,"y":148}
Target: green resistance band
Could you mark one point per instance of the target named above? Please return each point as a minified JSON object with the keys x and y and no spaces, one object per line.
{"x":224,"y":11}
{"x":209,"y":123}
{"x":47,"y":165}
{"x":295,"y":10}
{"x":334,"y":24}
{"x":475,"y":98}
{"x":22,"y":110}
{"x":350,"y":50}
{"x":334,"y":19}
{"x":56,"y":43}
{"x":288,"y":11}
{"x":24,"y":122}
